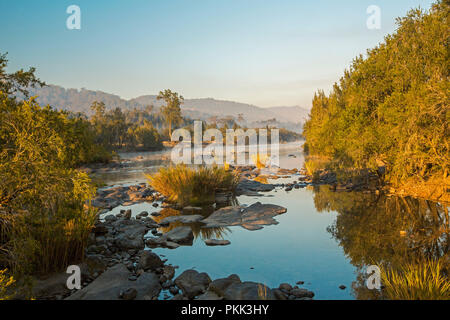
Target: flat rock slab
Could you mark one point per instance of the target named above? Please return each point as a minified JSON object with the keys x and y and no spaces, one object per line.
{"x":114,"y":280}
{"x":250,"y":218}
{"x":214,"y":242}
{"x":183,"y":219}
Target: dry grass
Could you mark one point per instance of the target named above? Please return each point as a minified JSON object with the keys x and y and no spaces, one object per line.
{"x":6,"y":283}
{"x":423,"y":280}
{"x":42,"y":243}
{"x":262,"y":292}
{"x":190,"y":186}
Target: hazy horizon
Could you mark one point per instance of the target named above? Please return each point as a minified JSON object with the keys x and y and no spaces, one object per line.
{"x":278,"y":54}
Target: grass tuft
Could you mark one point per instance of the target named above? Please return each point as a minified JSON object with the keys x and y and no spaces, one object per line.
{"x":190,"y":186}
{"x":423,"y":280}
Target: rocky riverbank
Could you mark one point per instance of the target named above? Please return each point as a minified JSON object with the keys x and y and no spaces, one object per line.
{"x":120,"y":264}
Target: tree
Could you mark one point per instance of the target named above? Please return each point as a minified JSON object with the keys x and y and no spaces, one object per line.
{"x":392,"y":107}
{"x":171,"y":111}
{"x":17,"y":82}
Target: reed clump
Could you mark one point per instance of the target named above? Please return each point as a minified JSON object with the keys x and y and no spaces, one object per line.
{"x":193,"y":186}
{"x":421,"y":280}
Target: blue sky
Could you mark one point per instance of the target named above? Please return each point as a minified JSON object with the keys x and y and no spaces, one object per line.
{"x":268,"y":53}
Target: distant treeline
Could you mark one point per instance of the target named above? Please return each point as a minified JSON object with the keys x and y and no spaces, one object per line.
{"x":392,"y":107}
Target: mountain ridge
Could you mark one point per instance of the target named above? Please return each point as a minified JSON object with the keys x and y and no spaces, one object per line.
{"x":79,"y":100}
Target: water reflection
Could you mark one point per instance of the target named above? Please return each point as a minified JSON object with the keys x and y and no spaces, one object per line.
{"x":375,"y":229}
{"x":197,"y":228}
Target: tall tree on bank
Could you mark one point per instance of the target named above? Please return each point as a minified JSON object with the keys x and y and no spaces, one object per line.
{"x":171,"y":111}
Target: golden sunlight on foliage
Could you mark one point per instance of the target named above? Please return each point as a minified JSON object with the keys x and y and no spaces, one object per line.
{"x":391,"y":106}
{"x":260,"y":161}
{"x":422,"y":280}
{"x":5,"y":285}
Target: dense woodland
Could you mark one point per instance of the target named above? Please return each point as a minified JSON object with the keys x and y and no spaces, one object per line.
{"x":391,"y":107}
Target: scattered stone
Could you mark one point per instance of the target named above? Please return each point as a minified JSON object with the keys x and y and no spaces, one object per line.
{"x":285,"y":286}
{"x":127,"y":214}
{"x":302,"y":293}
{"x":192,"y":283}
{"x":173,"y":290}
{"x":149,"y":261}
{"x":180,"y":235}
{"x":110,"y":218}
{"x":169,"y":272}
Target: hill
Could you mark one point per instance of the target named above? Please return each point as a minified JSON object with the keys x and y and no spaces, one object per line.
{"x":75,"y":100}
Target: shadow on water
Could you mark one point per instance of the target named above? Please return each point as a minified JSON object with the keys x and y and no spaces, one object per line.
{"x":380,"y":230}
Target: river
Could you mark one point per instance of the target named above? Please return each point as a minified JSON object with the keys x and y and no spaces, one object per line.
{"x":326,"y":239}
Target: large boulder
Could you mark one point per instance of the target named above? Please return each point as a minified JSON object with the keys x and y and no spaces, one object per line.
{"x":192,"y":283}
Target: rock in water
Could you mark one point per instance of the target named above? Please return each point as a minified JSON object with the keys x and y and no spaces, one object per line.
{"x":251,"y":218}
{"x":180,"y":235}
{"x":213,"y":242}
